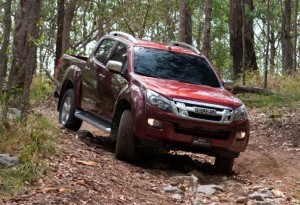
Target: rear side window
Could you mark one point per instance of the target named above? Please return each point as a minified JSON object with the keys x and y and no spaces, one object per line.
{"x":174,"y":66}
{"x":104,"y":50}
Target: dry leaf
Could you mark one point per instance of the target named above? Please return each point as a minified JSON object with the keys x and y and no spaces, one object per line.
{"x":46,"y":190}
{"x":81,"y":182}
{"x":88,"y":163}
{"x":62,"y":190}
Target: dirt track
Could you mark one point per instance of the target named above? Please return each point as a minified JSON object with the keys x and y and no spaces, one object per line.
{"x":86,"y":172}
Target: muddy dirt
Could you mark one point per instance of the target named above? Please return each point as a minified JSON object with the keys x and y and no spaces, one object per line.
{"x":86,"y":172}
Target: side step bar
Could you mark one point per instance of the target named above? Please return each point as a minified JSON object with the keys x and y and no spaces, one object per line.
{"x":101,"y":124}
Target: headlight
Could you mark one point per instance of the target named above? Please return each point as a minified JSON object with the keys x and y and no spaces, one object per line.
{"x":240,"y":114}
{"x":158,"y":101}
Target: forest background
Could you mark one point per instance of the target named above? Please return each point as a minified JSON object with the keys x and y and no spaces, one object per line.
{"x":253,"y":42}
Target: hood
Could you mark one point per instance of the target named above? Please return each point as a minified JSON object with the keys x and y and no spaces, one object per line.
{"x":180,"y":90}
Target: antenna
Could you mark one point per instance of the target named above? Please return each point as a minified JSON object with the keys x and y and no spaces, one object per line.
{"x":124,"y":35}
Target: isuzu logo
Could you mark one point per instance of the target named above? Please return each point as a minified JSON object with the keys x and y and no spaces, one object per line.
{"x":205,"y":111}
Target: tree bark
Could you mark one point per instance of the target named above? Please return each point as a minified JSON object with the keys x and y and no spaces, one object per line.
{"x":235,"y":29}
{"x":185,"y":23}
{"x":101,"y":19}
{"x":286,"y":38}
{"x":267,"y":46}
{"x":295,"y":34}
{"x":60,"y":27}
{"x":69,"y":15}
{"x":25,"y":52}
{"x":5,"y":43}
{"x":207,"y":27}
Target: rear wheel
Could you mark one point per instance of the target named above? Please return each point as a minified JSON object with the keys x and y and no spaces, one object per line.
{"x":67,"y":112}
{"x":224,"y":164}
{"x":125,"y":145}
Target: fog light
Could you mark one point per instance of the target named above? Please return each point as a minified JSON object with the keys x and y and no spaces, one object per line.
{"x":154,"y":123}
{"x":240,"y":135}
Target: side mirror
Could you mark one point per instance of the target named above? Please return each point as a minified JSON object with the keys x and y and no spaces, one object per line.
{"x":228,"y":84}
{"x":114,"y":66}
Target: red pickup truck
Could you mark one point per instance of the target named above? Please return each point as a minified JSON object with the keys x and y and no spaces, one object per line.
{"x":153,"y":94}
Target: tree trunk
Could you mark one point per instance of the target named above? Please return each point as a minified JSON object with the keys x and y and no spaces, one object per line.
{"x":5,"y":43}
{"x":60,"y":27}
{"x":185,"y":23}
{"x":295,"y":38}
{"x":267,"y":46}
{"x":286,"y":41}
{"x":207,"y":26}
{"x":69,"y":15}
{"x":25,"y":52}
{"x":236,"y":42}
{"x":101,"y":19}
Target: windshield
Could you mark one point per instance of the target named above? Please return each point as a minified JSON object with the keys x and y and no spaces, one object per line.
{"x":174,"y":66}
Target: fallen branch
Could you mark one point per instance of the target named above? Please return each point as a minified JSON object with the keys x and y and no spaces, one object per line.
{"x":255,"y":90}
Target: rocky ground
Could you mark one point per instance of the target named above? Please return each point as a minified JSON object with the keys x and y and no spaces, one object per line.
{"x":86,"y":172}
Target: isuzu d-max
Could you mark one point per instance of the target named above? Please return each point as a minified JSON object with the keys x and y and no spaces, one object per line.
{"x":152,"y":94}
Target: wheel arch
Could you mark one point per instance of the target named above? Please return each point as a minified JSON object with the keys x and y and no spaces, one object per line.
{"x":66,"y":86}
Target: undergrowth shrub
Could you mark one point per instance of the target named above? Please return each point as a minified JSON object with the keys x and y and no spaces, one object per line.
{"x":32,"y":141}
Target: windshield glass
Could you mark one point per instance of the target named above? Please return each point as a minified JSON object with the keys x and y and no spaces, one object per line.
{"x":174,"y":66}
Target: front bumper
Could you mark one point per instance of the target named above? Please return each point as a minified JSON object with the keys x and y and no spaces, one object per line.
{"x":190,"y":134}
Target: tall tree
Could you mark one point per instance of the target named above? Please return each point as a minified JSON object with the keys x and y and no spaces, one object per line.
{"x":185,"y":23}
{"x":207,"y":27}
{"x":295,"y":35}
{"x":287,"y":57}
{"x":69,"y":15}
{"x":24,"y":62}
{"x":60,"y":28}
{"x":5,"y":43}
{"x":236,"y":36}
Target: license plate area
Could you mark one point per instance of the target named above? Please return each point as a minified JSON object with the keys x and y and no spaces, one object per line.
{"x":201,"y":142}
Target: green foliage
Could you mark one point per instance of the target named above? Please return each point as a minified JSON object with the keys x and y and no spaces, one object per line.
{"x":32,"y":142}
{"x":41,"y":89}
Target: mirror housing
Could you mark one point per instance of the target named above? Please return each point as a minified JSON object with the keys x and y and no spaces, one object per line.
{"x":114,"y":66}
{"x":228,"y":84}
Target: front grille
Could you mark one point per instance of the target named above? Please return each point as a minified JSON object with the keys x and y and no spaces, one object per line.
{"x":204,"y":112}
{"x":196,"y":131}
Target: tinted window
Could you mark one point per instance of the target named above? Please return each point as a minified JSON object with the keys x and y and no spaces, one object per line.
{"x":174,"y":66}
{"x":104,"y":50}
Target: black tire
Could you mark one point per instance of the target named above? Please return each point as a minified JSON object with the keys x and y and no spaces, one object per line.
{"x":224,"y":164}
{"x":67,"y":111}
{"x":125,"y":144}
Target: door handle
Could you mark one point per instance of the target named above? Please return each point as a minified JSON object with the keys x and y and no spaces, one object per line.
{"x":101,"y":76}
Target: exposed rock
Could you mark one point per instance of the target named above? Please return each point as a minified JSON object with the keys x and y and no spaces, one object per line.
{"x":257,"y":196}
{"x":13,"y":113}
{"x":173,"y":189}
{"x":242,"y":200}
{"x":235,"y":188}
{"x":8,"y":161}
{"x":209,"y":189}
{"x":177,"y":180}
{"x":177,"y":197}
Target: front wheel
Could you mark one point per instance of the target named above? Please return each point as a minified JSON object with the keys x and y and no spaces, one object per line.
{"x":125,"y":144}
{"x":67,"y":112}
{"x":224,"y":164}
